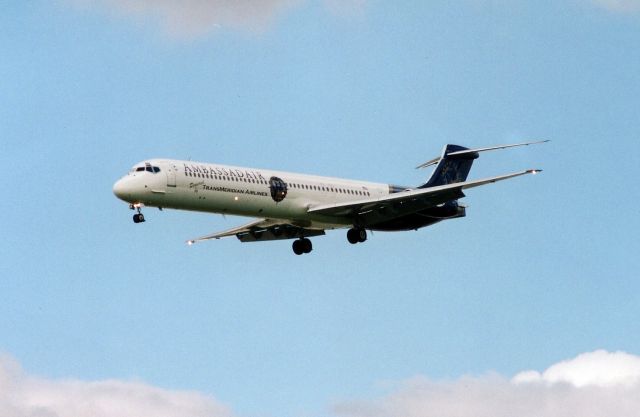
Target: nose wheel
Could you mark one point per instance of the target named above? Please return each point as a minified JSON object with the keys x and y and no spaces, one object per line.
{"x":138,"y":217}
{"x":356,"y":235}
{"x":302,"y":245}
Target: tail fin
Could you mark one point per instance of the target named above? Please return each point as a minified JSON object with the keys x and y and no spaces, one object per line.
{"x":451,"y":168}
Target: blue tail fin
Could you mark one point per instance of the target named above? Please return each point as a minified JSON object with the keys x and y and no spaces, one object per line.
{"x":451,"y":168}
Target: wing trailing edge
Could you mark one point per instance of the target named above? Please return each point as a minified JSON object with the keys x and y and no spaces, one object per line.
{"x":263,"y":230}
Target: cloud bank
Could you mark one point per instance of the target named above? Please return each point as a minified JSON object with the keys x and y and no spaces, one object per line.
{"x":594,"y":384}
{"x":22,"y":395}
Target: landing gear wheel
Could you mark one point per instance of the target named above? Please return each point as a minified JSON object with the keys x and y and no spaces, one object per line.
{"x":297,"y":247}
{"x":362,"y":235}
{"x":302,"y":245}
{"x":306,"y":245}
{"x":138,"y":217}
{"x":352,"y":236}
{"x":356,"y":235}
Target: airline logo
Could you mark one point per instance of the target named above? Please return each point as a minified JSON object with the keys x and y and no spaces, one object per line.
{"x":278,"y":189}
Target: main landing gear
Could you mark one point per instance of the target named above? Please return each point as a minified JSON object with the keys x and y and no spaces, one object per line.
{"x":302,"y":245}
{"x":356,"y":235}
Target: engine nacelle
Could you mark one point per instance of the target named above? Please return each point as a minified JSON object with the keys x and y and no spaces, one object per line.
{"x":450,"y":210}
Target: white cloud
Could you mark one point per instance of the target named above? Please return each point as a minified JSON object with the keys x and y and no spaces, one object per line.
{"x":22,"y":395}
{"x":619,"y":5}
{"x":191,"y":18}
{"x":591,"y":385}
{"x":599,"y":368}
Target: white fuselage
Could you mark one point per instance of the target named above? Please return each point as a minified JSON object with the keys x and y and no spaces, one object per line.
{"x":215,"y":188}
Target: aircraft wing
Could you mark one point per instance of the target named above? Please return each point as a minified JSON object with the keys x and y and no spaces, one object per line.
{"x":263,"y":229}
{"x":407,"y":202}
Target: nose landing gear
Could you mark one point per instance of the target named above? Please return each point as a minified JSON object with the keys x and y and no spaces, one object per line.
{"x":302,"y":245}
{"x":138,"y":217}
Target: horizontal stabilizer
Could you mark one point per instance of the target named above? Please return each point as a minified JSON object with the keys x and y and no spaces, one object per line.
{"x":471,"y":151}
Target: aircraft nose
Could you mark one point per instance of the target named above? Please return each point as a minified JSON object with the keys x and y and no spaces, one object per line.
{"x":121,"y":190}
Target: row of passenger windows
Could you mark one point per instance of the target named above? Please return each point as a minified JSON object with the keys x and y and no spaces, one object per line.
{"x":290,"y":185}
{"x":329,"y":189}
{"x":225,"y":178}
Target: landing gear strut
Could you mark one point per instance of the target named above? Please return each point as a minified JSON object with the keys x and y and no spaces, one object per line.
{"x":302,"y":245}
{"x":356,"y":235}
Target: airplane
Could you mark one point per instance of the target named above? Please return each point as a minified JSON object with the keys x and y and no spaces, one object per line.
{"x":298,"y":206}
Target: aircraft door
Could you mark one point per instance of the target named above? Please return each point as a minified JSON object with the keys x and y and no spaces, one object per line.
{"x":171,"y":176}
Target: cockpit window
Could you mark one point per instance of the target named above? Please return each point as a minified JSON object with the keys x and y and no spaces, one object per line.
{"x":147,"y":167}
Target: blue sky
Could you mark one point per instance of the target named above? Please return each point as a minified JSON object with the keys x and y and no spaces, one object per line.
{"x":543,"y":269}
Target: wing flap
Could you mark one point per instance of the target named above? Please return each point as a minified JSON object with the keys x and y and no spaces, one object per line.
{"x":257,"y":224}
{"x":263,"y":230}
